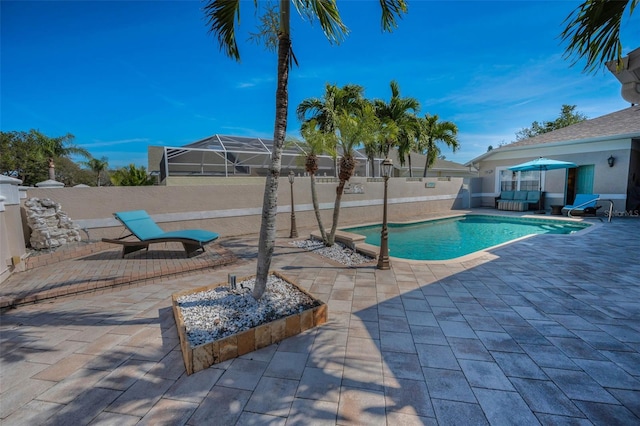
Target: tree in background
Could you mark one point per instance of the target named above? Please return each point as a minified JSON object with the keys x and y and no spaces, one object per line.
{"x":431,"y":131}
{"x":99,"y":167}
{"x":593,"y":32}
{"x":567,"y":117}
{"x":132,"y":176}
{"x":71,"y":174}
{"x":222,"y":16}
{"x":25,"y":155}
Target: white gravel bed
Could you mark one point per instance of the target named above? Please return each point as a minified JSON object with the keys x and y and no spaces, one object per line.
{"x":220,"y":312}
{"x":337,"y":252}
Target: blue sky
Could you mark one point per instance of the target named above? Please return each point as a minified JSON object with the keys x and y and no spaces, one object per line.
{"x":124,"y":75}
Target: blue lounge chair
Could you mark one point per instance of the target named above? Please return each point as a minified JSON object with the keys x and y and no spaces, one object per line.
{"x":140,"y":224}
{"x":584,"y":204}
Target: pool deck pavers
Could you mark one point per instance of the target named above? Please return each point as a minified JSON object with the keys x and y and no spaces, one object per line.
{"x":545,"y":330}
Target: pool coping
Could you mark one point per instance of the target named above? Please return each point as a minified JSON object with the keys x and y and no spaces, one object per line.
{"x":356,"y":241}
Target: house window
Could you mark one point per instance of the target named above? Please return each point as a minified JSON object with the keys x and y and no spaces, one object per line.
{"x":530,"y":180}
{"x":519,"y":181}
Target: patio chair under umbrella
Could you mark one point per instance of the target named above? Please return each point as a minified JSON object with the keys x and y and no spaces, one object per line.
{"x":542,"y":164}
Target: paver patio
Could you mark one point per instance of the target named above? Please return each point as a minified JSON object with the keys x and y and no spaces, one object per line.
{"x":545,"y":330}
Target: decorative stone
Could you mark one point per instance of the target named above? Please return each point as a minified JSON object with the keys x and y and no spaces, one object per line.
{"x":50,"y":226}
{"x":284,"y":311}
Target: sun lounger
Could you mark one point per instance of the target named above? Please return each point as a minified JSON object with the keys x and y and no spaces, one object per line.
{"x":140,"y":224}
{"x":584,"y":204}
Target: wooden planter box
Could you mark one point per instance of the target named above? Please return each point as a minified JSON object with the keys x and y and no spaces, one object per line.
{"x":203,"y":356}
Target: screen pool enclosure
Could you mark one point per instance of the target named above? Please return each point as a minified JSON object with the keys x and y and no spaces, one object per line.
{"x":227,"y":156}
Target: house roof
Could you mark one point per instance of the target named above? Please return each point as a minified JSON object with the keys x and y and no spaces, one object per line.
{"x":417,"y":162}
{"x":623,"y":123}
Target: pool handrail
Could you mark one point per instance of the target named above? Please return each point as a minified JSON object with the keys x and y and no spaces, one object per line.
{"x":609,"y":214}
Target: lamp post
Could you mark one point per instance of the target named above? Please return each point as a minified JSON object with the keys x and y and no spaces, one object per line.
{"x":383,"y":258}
{"x":294,"y":231}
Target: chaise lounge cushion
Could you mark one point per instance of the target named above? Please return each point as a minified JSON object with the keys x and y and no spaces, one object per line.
{"x":142,"y":226}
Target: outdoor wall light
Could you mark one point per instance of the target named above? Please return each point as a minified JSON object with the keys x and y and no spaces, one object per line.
{"x":611,"y":160}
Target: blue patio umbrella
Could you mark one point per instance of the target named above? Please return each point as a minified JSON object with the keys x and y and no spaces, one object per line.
{"x":542,"y":164}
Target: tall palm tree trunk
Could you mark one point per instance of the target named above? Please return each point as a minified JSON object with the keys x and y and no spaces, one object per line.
{"x":267,"y":240}
{"x":410,"y":168}
{"x":426,"y":165}
{"x":336,"y":213}
{"x":347,"y":166}
{"x":316,"y":209}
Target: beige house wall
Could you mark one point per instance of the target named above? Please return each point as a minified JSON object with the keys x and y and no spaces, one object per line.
{"x":231,"y":207}
{"x":12,"y":243}
{"x":609,"y":182}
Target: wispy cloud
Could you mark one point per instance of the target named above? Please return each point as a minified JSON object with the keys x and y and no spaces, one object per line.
{"x":98,"y":143}
{"x":118,"y":159}
{"x":171,"y":101}
{"x":204,"y":117}
{"x":254,"y":82}
{"x":246,"y":131}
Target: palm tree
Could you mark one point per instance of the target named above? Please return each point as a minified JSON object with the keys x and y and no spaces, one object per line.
{"x":56,"y":147}
{"x":316,"y":142}
{"x":222,"y":16}
{"x":432,"y":131}
{"x":593,"y":32}
{"x":398,"y":113}
{"x":97,"y":166}
{"x":372,"y":148}
{"x":352,"y":128}
{"x":342,"y":113}
{"x":407,"y":141}
{"x":325,"y":110}
{"x":131,"y":176}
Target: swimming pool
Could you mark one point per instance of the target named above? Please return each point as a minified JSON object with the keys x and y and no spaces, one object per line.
{"x":449,"y":238}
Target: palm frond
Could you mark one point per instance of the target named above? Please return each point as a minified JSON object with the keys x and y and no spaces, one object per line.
{"x":326,"y":11}
{"x":221,"y":16}
{"x":593,"y":32}
{"x":391,"y":11}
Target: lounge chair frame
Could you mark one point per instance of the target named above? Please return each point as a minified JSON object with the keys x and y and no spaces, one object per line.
{"x":583,"y":205}
{"x":131,"y":246}
{"x":197,"y":240}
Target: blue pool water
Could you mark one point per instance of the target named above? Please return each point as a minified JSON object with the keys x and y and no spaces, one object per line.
{"x":444,"y":239}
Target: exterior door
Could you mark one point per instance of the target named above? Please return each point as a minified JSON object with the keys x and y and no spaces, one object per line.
{"x":584,"y":180}
{"x":579,"y":181}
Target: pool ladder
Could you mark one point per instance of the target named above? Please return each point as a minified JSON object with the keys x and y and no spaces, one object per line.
{"x":609,"y":214}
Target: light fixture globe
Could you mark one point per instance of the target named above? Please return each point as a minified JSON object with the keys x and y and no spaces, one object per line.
{"x":387,"y":167}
